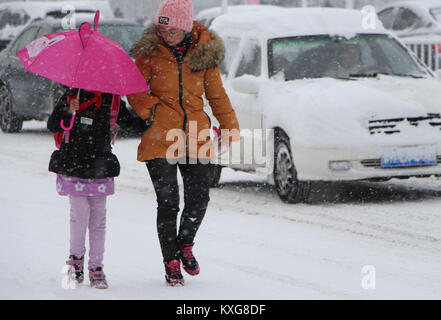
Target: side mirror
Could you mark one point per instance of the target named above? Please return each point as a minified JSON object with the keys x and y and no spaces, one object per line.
{"x":246,"y":84}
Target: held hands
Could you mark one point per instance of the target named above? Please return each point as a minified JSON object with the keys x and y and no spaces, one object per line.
{"x":221,"y":140}
{"x":74,"y":106}
{"x":224,"y":145}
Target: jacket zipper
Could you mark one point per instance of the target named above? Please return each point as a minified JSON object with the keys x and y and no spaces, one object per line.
{"x":180,"y":58}
{"x":181,"y":93}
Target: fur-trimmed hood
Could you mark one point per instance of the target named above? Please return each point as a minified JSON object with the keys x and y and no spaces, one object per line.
{"x":207,"y":49}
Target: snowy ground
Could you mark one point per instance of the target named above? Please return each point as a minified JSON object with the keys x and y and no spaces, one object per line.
{"x":250,"y":245}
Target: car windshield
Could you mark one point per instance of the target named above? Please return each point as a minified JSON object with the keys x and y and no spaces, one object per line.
{"x":337,"y":57}
{"x":436,"y":13}
{"x":125,"y":35}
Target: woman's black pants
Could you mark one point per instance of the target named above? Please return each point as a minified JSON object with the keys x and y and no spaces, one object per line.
{"x":196,"y":197}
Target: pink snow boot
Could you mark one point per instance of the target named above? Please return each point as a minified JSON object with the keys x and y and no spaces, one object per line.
{"x":97,"y":278}
{"x":191,"y":266}
{"x":77,"y":267}
{"x":173,"y":274}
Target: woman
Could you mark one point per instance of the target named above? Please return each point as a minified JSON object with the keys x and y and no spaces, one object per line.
{"x":179,"y":59}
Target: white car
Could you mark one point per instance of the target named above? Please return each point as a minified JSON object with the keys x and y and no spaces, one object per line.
{"x":329,"y":99}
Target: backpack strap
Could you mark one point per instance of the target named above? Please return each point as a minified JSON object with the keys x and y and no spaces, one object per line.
{"x":114,"y":111}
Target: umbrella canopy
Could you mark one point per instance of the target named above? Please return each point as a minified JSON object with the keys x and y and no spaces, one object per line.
{"x":84,"y":59}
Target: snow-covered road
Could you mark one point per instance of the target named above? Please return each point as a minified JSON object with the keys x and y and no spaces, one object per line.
{"x":250,"y":245}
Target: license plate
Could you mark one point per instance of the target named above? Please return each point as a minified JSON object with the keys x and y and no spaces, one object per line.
{"x":409,"y":157}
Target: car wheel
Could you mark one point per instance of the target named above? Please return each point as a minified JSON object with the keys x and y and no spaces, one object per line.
{"x":9,"y":121}
{"x":288,"y":187}
{"x":214,"y":175}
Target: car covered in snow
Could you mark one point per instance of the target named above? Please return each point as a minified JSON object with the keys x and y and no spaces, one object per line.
{"x":14,"y":16}
{"x":27,"y":96}
{"x":328,"y":99}
{"x":208,"y":15}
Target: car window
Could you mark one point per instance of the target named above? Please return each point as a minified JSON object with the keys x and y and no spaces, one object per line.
{"x":337,"y":57}
{"x":43,"y":31}
{"x":250,"y":62}
{"x":25,"y":38}
{"x":126,"y":36}
{"x":231,"y":47}
{"x":387,"y":17}
{"x":406,"y":19}
{"x":436,"y":13}
{"x":13,"y":18}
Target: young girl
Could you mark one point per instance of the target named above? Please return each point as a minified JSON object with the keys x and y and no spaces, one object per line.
{"x":85,"y":167}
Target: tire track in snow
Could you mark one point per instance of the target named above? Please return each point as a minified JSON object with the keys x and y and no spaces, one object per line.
{"x":388,"y":226}
{"x":329,"y":292}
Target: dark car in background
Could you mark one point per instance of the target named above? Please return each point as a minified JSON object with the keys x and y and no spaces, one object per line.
{"x":26,"y":96}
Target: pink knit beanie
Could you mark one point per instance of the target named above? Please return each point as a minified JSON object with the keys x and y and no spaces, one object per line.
{"x":176,"y":14}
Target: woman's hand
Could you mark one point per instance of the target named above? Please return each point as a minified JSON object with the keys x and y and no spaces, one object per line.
{"x":74,"y":105}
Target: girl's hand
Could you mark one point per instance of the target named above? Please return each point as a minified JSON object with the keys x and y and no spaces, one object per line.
{"x":74,"y":105}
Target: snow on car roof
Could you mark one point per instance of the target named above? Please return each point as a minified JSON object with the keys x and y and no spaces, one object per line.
{"x":39,"y":9}
{"x":296,"y":22}
{"x":216,"y":11}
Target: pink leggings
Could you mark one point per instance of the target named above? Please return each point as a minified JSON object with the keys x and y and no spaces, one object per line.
{"x":88,"y":212}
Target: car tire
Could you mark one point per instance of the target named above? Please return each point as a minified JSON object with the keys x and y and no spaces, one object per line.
{"x":289,"y":189}
{"x":9,"y":121}
{"x":214,"y":175}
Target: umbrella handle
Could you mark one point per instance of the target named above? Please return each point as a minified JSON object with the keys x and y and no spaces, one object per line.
{"x":70,"y":125}
{"x":72,"y":119}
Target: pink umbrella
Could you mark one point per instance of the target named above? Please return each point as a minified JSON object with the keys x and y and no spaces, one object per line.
{"x":84,"y":59}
